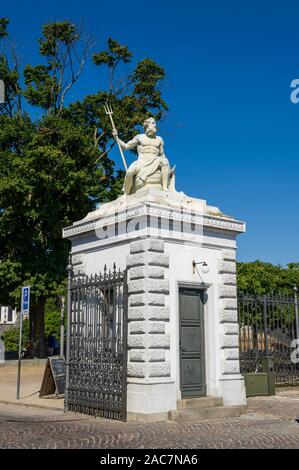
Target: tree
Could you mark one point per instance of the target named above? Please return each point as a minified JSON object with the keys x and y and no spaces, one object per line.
{"x":57,"y":168}
{"x":258,"y":277}
{"x":133,"y":98}
{"x":52,"y":327}
{"x":11,"y":337}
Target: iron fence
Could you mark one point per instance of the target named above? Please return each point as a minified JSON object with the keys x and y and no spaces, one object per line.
{"x":96,"y":356}
{"x":268,"y":325}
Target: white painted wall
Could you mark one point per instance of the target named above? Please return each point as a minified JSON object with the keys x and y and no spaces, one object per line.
{"x":209,"y":244}
{"x":4,"y":315}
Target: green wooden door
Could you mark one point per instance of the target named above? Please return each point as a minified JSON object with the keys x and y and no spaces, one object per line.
{"x":192,"y":348}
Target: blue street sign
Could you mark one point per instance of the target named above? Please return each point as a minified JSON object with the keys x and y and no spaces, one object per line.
{"x":25,"y":300}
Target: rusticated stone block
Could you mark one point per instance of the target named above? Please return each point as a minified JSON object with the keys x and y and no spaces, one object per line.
{"x":155,"y":299}
{"x":229,"y":304}
{"x":229,"y":341}
{"x":158,"y":259}
{"x":156,"y":327}
{"x":137,"y":286}
{"x":228,"y":316}
{"x":77,"y":259}
{"x":231,"y":328}
{"x":137,"y":327}
{"x":159,"y":369}
{"x":138,"y":259}
{"x":139,"y":246}
{"x":137,"y":273}
{"x":158,"y":313}
{"x":156,"y":341}
{"x":137,"y":313}
{"x":156,"y":355}
{"x":158,"y":285}
{"x":230,"y":367}
{"x":226,"y":267}
{"x":155,"y":272}
{"x":155,"y":244}
{"x":137,"y":341}
{"x":147,"y":244}
{"x":230,"y":354}
{"x":136,"y":300}
{"x":227,"y":291}
{"x":229,"y":279}
{"x":136,"y":369}
{"x":229,"y":255}
{"x":137,"y":355}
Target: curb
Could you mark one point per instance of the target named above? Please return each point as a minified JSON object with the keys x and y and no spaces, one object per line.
{"x":30,"y":405}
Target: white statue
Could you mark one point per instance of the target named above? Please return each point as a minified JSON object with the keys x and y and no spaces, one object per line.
{"x":152,"y":167}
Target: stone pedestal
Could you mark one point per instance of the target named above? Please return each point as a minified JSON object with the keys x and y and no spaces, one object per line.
{"x":156,"y":236}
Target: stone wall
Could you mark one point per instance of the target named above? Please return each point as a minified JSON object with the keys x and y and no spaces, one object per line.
{"x":228,"y":312}
{"x":148,"y":310}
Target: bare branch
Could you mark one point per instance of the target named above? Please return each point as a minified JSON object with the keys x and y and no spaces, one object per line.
{"x":97,"y":137}
{"x":72,"y":54}
{"x":106,"y":152}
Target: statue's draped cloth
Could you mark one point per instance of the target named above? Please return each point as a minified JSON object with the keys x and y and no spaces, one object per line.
{"x":146,"y":165}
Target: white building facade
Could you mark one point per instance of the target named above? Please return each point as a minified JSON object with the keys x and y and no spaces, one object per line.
{"x":180,"y":255}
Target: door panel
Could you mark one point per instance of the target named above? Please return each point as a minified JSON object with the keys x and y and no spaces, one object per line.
{"x":192,"y":358}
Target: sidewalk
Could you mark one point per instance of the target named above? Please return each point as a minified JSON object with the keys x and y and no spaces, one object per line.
{"x":31,"y":379}
{"x":284,"y":403}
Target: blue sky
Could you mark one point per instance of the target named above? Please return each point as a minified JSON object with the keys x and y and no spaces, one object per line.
{"x":231,"y":127}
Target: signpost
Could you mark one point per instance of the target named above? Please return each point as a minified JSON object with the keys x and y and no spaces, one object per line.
{"x":25,"y":306}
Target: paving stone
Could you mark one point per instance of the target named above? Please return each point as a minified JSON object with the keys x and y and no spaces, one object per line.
{"x":269,"y":424}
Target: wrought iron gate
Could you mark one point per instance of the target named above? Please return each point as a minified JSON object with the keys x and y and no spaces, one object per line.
{"x":268,"y":325}
{"x":96,"y":356}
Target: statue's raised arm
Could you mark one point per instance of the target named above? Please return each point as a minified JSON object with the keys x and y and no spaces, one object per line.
{"x":126,"y":146}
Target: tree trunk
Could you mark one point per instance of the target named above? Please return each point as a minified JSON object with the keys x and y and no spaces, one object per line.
{"x":37,"y":327}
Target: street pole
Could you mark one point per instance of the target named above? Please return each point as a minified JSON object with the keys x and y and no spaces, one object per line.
{"x":62,"y":310}
{"x":296,"y":311}
{"x":20,"y":356}
{"x":25,"y":305}
{"x":68,"y":332}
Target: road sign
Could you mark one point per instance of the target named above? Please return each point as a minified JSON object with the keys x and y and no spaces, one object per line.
{"x":25,"y":304}
{"x":25,"y":300}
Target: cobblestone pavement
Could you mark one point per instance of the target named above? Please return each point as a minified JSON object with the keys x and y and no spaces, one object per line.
{"x":269,"y":423}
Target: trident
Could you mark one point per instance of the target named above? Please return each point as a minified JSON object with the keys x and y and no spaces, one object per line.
{"x":109,"y":111}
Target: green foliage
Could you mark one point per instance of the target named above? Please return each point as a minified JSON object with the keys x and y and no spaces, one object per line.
{"x":264,"y":278}
{"x":116,"y":53}
{"x":52,"y":318}
{"x":9,"y":73}
{"x":56,"y":168}
{"x":52,"y":327}
{"x":11,"y":337}
{"x":4,"y":22}
{"x":133,"y":99}
{"x":48,"y":178}
{"x":47,"y":84}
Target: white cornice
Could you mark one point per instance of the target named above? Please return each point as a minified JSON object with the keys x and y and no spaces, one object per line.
{"x":155,"y":210}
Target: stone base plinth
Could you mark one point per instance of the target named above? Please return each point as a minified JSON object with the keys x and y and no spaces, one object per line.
{"x":233,"y":390}
{"x":150,"y":397}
